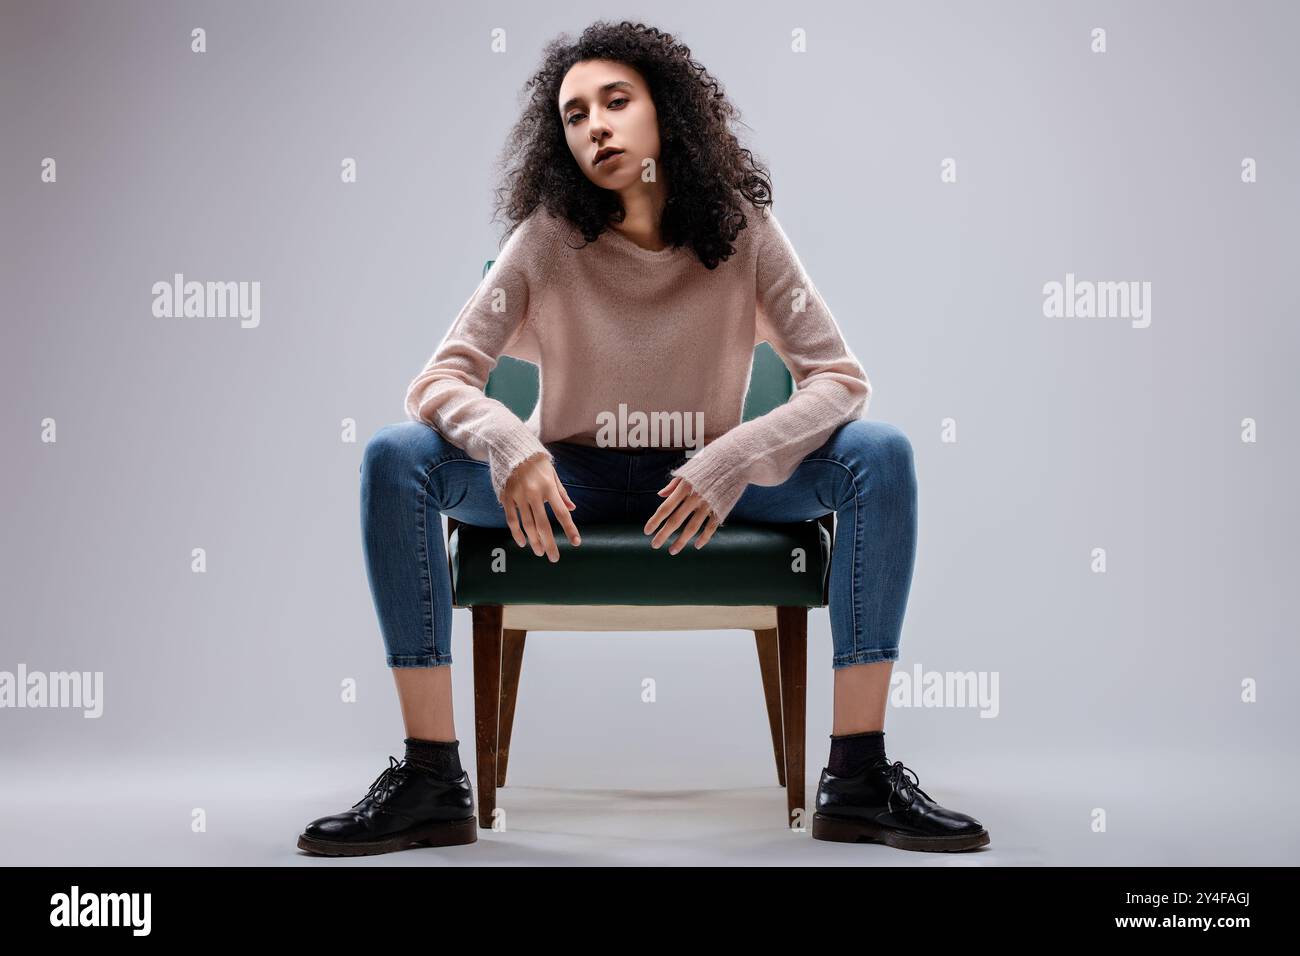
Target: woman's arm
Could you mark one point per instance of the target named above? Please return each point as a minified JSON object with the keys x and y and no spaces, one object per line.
{"x":831,"y":386}
{"x":448,"y":391}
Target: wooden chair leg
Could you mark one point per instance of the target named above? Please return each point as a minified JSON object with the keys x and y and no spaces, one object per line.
{"x":487,"y":705}
{"x":792,"y":641}
{"x":512,"y":661}
{"x":769,"y":667}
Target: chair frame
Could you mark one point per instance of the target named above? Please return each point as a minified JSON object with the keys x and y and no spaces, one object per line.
{"x":780,"y":638}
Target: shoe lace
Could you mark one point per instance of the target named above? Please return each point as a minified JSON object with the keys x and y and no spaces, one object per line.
{"x":391,"y":775}
{"x":896,"y":773}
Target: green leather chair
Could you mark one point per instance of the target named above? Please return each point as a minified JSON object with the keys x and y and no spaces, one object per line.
{"x":759,"y":577}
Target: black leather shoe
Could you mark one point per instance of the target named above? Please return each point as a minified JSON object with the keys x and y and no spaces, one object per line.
{"x":405,"y":807}
{"x":880,"y":804}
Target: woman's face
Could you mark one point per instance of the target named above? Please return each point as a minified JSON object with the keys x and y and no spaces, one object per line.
{"x":605,"y":104}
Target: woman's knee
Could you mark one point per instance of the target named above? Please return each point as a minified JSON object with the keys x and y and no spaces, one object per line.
{"x":882,"y":450}
{"x":395,"y":448}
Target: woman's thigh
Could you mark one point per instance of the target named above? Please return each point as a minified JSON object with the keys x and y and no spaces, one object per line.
{"x":415,"y":454}
{"x":831,"y":476}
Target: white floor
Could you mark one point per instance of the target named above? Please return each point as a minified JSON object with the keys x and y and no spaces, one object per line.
{"x":1161,"y":809}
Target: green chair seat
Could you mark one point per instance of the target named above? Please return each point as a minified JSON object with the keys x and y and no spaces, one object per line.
{"x":743,"y":564}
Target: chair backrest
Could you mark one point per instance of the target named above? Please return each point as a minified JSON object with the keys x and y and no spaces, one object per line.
{"x":514,"y":382}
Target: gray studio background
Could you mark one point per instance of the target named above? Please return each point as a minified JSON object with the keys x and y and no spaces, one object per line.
{"x":1073,"y":433}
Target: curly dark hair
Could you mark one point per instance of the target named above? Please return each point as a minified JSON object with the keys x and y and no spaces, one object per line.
{"x":709,"y":176}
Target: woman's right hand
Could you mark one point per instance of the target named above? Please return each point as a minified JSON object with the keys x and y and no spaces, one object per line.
{"x":529,"y":488}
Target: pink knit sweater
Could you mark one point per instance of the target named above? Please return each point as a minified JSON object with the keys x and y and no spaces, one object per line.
{"x":612,"y":324}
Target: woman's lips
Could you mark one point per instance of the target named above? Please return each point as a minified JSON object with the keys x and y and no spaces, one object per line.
{"x":609,"y":157}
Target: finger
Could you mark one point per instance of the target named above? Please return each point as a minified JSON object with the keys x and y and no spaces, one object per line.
{"x":672,"y":522}
{"x":666,"y":508}
{"x":703,"y":539}
{"x":530,"y":525}
{"x":544,"y":535}
{"x":563,"y":494}
{"x":669,"y":487}
{"x":566,"y":522}
{"x":698,"y":518}
{"x":512,"y":522}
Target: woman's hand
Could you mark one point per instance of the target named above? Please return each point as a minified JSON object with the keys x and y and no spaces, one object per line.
{"x":530,"y":487}
{"x":681,"y":503}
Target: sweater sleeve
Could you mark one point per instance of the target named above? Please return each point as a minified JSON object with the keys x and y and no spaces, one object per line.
{"x":448,"y":392}
{"x":831,"y":387}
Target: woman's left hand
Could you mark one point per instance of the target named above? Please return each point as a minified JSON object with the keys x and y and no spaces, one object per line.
{"x":681,"y":503}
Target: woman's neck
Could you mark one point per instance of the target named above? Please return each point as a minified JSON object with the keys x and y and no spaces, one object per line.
{"x":643,"y":210}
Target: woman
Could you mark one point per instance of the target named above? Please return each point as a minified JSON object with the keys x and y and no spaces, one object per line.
{"x":643,"y":266}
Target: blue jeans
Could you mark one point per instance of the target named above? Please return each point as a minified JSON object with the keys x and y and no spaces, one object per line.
{"x":410,"y":475}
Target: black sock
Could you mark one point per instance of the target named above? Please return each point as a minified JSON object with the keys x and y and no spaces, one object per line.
{"x":851,"y":752}
{"x":440,"y":757}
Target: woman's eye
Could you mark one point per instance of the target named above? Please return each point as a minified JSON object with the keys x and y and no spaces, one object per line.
{"x":574,"y":116}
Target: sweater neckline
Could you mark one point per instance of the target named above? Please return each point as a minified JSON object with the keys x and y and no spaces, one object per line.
{"x":667,"y":252}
